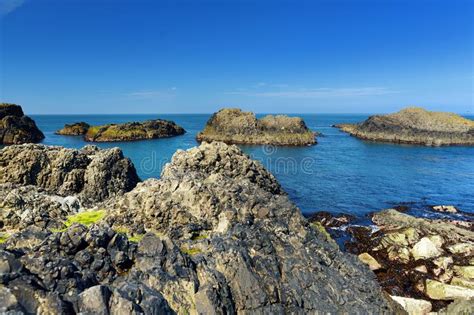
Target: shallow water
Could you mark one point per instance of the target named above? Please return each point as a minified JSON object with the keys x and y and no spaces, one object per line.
{"x":339,"y":174}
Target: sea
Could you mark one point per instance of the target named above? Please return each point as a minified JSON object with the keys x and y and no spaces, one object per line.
{"x":341,"y":174}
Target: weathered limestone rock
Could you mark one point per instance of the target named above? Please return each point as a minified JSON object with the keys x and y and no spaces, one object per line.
{"x":415,"y":126}
{"x":425,"y":249}
{"x":448,"y":209}
{"x":234,"y":126}
{"x":15,"y":127}
{"x":441,"y":291}
{"x":370,"y":261}
{"x":90,"y":174}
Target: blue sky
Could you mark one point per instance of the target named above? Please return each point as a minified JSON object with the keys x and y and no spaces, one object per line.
{"x":119,"y":56}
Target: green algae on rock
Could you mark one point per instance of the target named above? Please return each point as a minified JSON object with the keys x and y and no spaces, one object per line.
{"x":234,"y":126}
{"x":415,"y":125}
{"x":15,"y":127}
{"x":150,"y":129}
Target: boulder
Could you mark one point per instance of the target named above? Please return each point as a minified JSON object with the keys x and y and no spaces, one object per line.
{"x":370,"y":261}
{"x":425,"y":249}
{"x":448,"y":209}
{"x":440,"y":291}
{"x":15,"y":127}
{"x":94,"y":300}
{"x":232,"y":125}
{"x":413,"y":306}
{"x":150,"y":129}
{"x":76,"y":129}
{"x":90,"y":174}
{"x":415,"y":125}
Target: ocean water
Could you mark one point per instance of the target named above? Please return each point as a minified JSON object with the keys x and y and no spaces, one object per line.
{"x":339,"y":174}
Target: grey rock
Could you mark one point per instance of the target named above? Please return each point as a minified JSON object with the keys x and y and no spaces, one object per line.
{"x":94,"y":300}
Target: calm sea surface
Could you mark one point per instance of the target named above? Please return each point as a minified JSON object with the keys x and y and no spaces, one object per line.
{"x":339,"y":174}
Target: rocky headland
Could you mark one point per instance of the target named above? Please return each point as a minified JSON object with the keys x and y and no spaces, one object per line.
{"x":15,"y":127}
{"x":216,"y":234}
{"x":150,"y":129}
{"x":415,"y":126}
{"x":424,"y":264}
{"x":234,"y":126}
{"x":75,"y":129}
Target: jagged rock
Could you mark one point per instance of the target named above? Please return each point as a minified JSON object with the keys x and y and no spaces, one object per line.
{"x":228,"y":225}
{"x":15,"y":127}
{"x":234,"y":126}
{"x":76,"y":129}
{"x":94,"y":300}
{"x":90,"y":174}
{"x":413,"y":306}
{"x":415,"y":126}
{"x":150,"y":129}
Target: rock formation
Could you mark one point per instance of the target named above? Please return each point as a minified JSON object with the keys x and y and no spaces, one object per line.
{"x":237,"y":127}
{"x":216,"y":235}
{"x":415,"y":126}
{"x":76,"y":129}
{"x":15,"y":127}
{"x":90,"y":174}
{"x":150,"y":129}
{"x":431,"y":262}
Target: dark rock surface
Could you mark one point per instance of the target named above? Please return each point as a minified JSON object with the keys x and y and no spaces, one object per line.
{"x":221,"y":238}
{"x":238,"y":127}
{"x":150,"y":129}
{"x":76,"y":129}
{"x":15,"y":127}
{"x":415,"y":126}
{"x":90,"y":174}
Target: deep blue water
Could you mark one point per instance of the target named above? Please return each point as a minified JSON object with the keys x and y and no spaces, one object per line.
{"x":339,"y":174}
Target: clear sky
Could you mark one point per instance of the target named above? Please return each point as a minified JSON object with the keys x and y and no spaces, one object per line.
{"x":116,"y":56}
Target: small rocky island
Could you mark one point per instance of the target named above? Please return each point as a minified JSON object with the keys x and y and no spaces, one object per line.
{"x":15,"y":127}
{"x":234,"y":126}
{"x":150,"y":129}
{"x":216,"y":234}
{"x":415,"y":125}
{"x":76,"y":129}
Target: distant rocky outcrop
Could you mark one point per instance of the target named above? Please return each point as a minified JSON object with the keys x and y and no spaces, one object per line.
{"x":425,"y":264}
{"x":415,"y":126}
{"x":216,"y":234}
{"x":150,"y":129}
{"x":76,"y":129}
{"x":234,"y":126}
{"x":15,"y":127}
{"x":90,"y":173}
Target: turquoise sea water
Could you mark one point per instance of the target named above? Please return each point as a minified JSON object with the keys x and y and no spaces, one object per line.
{"x":339,"y":174}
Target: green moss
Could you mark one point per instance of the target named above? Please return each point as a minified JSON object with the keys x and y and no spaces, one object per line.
{"x":86,"y":218}
{"x":320,"y":228}
{"x":3,"y":237}
{"x":136,"y":238}
{"x":191,"y":251}
{"x":199,"y":237}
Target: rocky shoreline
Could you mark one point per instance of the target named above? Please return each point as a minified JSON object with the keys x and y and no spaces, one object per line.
{"x":234,"y":126}
{"x":215,"y":234}
{"x":424,"y":264}
{"x":415,"y":126}
{"x":75,"y":129}
{"x":15,"y":127}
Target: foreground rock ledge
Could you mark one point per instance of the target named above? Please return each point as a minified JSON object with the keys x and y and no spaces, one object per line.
{"x":237,"y":127}
{"x":15,"y":127}
{"x":150,"y":129}
{"x":415,"y":126}
{"x":222,"y":237}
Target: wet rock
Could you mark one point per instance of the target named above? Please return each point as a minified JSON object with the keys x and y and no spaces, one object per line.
{"x":90,"y":174}
{"x":235,"y":126}
{"x":150,"y":129}
{"x":329,"y":220}
{"x":415,"y":126}
{"x":413,"y":306}
{"x":15,"y":127}
{"x":76,"y":129}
